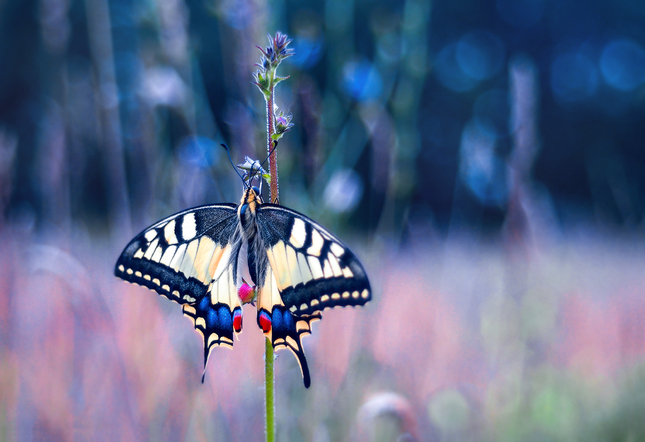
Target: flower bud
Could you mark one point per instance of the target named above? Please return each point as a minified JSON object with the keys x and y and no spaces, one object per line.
{"x":246,"y":293}
{"x":283,"y":123}
{"x":265,"y":77}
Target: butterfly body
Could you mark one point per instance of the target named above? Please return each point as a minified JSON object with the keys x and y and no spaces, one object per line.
{"x":200,"y":257}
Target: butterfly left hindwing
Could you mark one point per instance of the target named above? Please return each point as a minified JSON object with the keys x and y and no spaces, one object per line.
{"x":187,"y":258}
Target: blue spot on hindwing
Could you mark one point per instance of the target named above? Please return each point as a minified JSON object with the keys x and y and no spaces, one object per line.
{"x":211,"y":318}
{"x":218,"y":318}
{"x":277,"y":320}
{"x":283,"y":321}
{"x":225,"y":317}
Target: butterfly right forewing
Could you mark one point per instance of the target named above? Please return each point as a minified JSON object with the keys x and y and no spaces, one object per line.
{"x":313,"y":269}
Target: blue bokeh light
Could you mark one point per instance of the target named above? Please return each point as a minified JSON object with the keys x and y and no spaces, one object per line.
{"x":343,"y":191}
{"x":308,"y":52}
{"x":449,"y":72}
{"x":197,"y":151}
{"x":622,"y":64}
{"x":481,"y":168}
{"x":574,"y":77}
{"x":361,"y":80}
{"x":521,"y":13}
{"x":480,"y":54}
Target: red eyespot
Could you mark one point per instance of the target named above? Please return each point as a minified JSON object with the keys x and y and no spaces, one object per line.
{"x":264,"y":321}
{"x":237,"y":320}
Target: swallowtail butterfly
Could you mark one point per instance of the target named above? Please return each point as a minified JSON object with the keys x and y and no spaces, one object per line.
{"x":200,"y":257}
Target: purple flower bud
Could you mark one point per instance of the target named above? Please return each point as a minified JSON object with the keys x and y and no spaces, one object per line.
{"x":277,"y":51}
{"x":283,"y":122}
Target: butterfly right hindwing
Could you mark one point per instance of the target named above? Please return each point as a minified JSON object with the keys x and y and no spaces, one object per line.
{"x":308,"y":270}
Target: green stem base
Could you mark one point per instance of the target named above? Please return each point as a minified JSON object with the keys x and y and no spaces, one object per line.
{"x":268,"y":389}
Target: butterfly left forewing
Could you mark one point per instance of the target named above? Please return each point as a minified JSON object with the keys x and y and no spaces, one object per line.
{"x":314,"y":270}
{"x":177,"y":256}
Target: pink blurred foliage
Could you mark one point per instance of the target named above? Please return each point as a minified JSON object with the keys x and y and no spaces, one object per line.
{"x":601,"y":336}
{"x":84,"y":355}
{"x":590,"y":336}
{"x":632,"y":324}
{"x":86,"y":358}
{"x":152,"y":367}
{"x":44,"y":344}
{"x":330,"y":356}
{"x":165,"y":377}
{"x":419,"y":335}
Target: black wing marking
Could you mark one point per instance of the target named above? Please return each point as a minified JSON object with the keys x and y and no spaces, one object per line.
{"x":313,"y":269}
{"x":175,"y":256}
{"x":215,"y":323}
{"x":287,"y":331}
{"x":189,"y":258}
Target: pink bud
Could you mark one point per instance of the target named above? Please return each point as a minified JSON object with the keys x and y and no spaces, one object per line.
{"x":246,"y":293}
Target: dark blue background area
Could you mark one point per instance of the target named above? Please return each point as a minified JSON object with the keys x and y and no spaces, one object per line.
{"x":589,"y":65}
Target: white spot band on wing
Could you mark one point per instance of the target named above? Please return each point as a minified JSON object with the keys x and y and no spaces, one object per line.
{"x":298,"y":233}
{"x":150,"y":234}
{"x":317,"y":242}
{"x":188,"y":227}
{"x":169,"y":233}
{"x":337,"y":249}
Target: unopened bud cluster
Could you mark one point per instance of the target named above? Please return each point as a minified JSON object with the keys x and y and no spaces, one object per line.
{"x":266,"y":78}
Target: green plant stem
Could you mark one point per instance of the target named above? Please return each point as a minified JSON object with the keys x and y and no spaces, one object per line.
{"x":268,"y":351}
{"x":268,"y":387}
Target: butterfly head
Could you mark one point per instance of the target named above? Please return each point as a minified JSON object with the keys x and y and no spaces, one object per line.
{"x":249,"y":204}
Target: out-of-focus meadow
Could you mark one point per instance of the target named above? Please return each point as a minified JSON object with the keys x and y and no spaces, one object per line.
{"x":484,"y":160}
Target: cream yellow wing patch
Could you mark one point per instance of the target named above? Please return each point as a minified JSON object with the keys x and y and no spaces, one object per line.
{"x":312,"y":267}
{"x":177,"y":257}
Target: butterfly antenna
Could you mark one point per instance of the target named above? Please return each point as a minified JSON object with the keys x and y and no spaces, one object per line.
{"x":234,"y":168}
{"x":252,"y":173}
{"x":275,"y":146}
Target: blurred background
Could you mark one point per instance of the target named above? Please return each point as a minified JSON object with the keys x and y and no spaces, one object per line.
{"x":484,"y":159}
